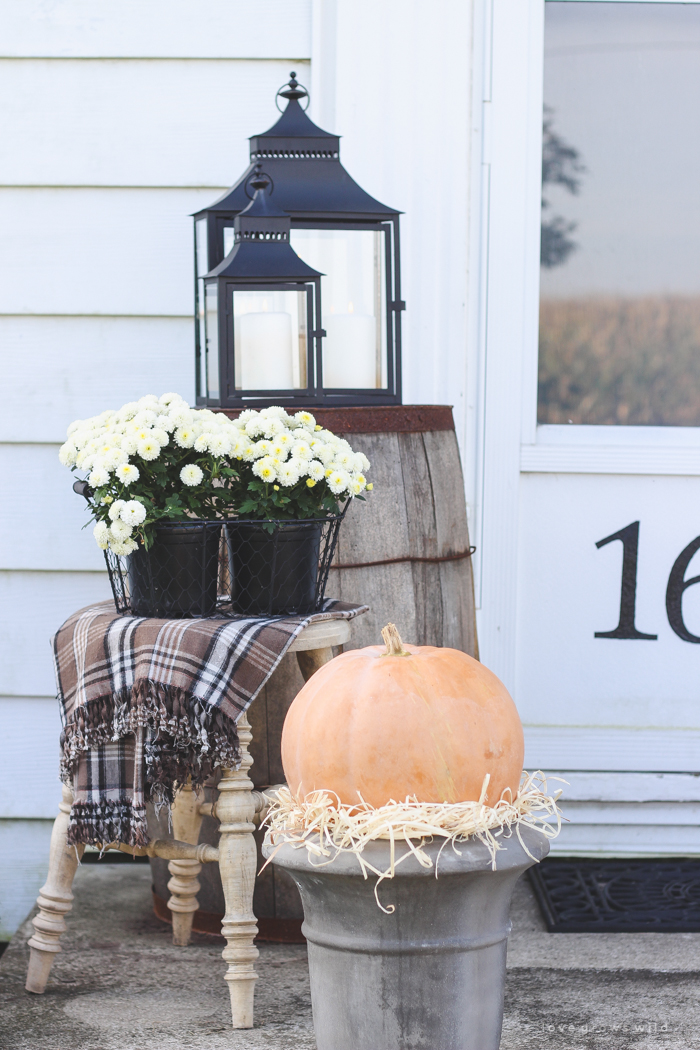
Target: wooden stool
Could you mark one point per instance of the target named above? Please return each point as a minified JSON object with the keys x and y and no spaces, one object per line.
{"x":236,"y":809}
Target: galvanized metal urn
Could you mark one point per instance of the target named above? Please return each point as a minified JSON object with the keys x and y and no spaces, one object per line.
{"x":428,"y":976}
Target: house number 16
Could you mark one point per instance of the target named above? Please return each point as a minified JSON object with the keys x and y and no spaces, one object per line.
{"x":677,"y":585}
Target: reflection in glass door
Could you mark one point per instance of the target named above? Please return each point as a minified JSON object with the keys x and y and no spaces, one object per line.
{"x":620,"y":288}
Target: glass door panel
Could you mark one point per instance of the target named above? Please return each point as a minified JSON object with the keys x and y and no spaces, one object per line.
{"x":620,"y":279}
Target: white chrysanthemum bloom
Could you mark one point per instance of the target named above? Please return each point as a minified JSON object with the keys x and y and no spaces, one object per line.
{"x":98,"y":476}
{"x":127,"y":411}
{"x":305,"y":419}
{"x":181,"y":414}
{"x":246,"y":414}
{"x":238,"y":446}
{"x":165,"y":423}
{"x":148,"y":399}
{"x":265,"y":469}
{"x":133,"y":512}
{"x":339,"y":481}
{"x":300,"y":465}
{"x":84,"y":461}
{"x":101,"y":534}
{"x":75,"y":425}
{"x":361,"y":481}
{"x":167,"y":399}
{"x":327,"y":436}
{"x":219,"y":444}
{"x":161,"y":436}
{"x":254,"y":427}
{"x":185,"y":436}
{"x":123,"y":547}
{"x":201,"y":443}
{"x":279,"y":451}
{"x":355,"y":487}
{"x":262,"y":448}
{"x":285,"y":438}
{"x":287,"y":474}
{"x":302,"y":450}
{"x":345,"y":459}
{"x":274,"y":427}
{"x":274,"y":411}
{"x":145,"y":418}
{"x":128,"y":473}
{"x":249,"y":453}
{"x":130,"y":443}
{"x":119,"y":530}
{"x":148,"y":449}
{"x":191,"y":474}
{"x":67,"y":454}
{"x":116,"y":509}
{"x":325,"y":453}
{"x":316,"y":470}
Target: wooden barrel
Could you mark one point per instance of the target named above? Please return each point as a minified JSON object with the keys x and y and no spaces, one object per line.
{"x":404,"y":551}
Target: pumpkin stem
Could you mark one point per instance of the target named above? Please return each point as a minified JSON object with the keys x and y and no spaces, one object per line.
{"x":392,"y":639}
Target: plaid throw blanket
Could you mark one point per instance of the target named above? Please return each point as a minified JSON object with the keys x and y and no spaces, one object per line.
{"x":146,"y":703}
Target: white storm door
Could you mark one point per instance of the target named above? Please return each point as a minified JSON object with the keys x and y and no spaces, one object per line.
{"x":591,"y":604}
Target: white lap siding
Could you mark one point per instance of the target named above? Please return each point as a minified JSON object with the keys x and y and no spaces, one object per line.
{"x":118,"y":121}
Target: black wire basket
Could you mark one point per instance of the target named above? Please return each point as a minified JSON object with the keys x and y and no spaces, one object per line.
{"x":237,"y":567}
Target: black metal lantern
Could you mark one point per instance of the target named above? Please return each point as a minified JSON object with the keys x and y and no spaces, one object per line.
{"x":261,"y":315}
{"x":346,"y":235}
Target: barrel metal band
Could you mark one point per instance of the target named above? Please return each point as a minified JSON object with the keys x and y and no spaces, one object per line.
{"x":408,"y":557}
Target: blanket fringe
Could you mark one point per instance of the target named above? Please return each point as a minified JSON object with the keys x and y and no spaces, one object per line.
{"x":184,"y":736}
{"x":97,"y":823}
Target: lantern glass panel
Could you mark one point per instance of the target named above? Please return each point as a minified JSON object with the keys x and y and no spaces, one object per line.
{"x":353,"y":293}
{"x":270,"y":339}
{"x":200,"y":258}
{"x":201,"y":246}
{"x":212,"y":340}
{"x":229,"y":237}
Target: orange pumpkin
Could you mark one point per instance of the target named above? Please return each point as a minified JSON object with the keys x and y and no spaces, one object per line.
{"x":387,"y":723}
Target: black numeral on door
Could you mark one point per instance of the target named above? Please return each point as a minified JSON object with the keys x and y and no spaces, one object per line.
{"x":676,"y":588}
{"x":674,"y":592}
{"x":629,"y":537}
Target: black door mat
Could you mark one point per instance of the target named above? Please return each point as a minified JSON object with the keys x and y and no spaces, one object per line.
{"x":618,"y":896}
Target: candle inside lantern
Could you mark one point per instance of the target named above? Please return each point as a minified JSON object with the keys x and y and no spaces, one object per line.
{"x":265,"y":344}
{"x":350,"y":350}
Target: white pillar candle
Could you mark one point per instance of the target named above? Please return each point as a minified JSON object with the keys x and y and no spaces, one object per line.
{"x":265,"y":343}
{"x":350,"y":350}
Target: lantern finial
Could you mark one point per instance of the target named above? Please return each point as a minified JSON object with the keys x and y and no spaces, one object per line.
{"x":293,"y":90}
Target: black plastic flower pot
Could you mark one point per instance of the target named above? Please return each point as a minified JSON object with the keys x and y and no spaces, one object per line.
{"x":177,"y":577}
{"x":275,"y":569}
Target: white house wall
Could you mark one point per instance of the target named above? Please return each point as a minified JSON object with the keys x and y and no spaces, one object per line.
{"x":118,"y":121}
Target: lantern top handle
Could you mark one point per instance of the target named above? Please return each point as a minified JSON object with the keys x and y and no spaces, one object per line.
{"x":260,"y":204}
{"x":259,"y":180}
{"x":292,"y":91}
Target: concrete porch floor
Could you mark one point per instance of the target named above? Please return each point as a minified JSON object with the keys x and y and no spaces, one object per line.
{"x":119,"y":984}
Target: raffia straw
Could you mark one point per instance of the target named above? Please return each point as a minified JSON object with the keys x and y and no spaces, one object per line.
{"x":325,"y":827}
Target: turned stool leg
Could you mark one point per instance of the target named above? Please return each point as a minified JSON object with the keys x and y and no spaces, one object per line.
{"x":184,"y":885}
{"x":237,"y":862}
{"x":310,"y":660}
{"x":54,"y":900}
